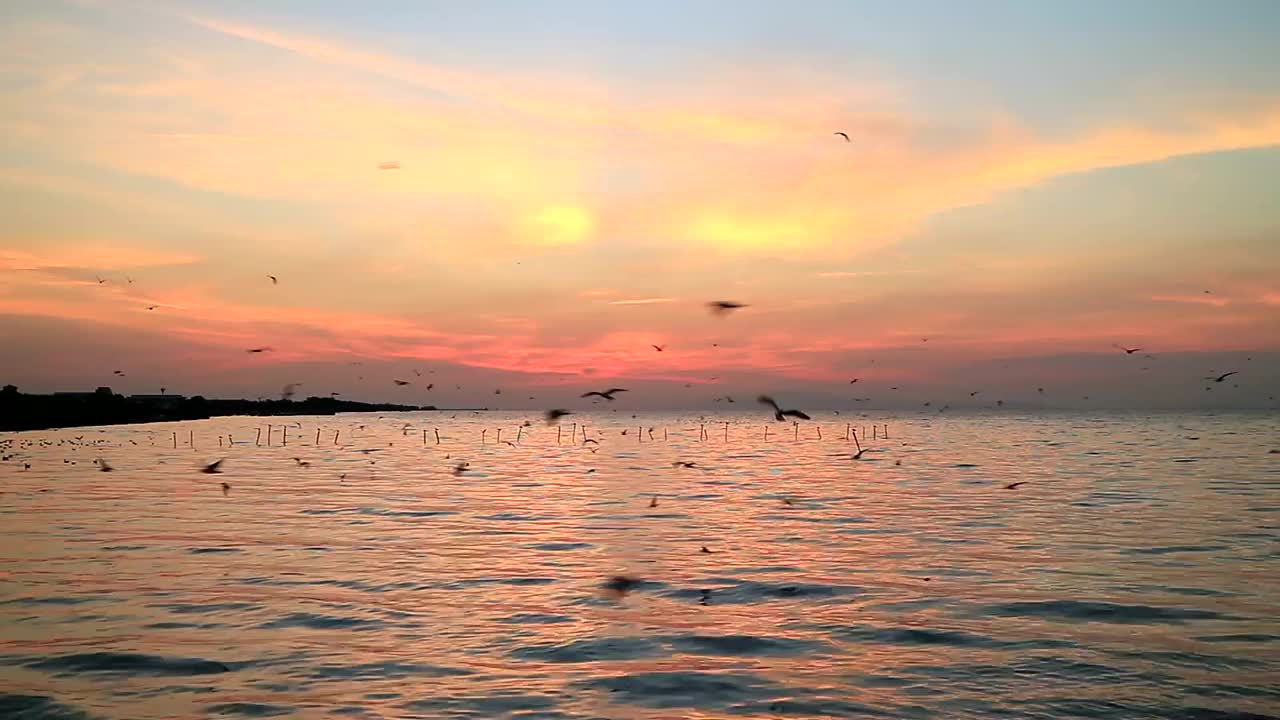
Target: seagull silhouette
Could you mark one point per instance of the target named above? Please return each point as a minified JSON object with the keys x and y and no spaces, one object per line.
{"x":213,"y":468}
{"x":778,"y":413}
{"x":843,"y":135}
{"x":682,"y":464}
{"x":1224,"y":376}
{"x":722,"y":307}
{"x":1129,"y":351}
{"x":853,"y":381}
{"x":607,"y":394}
{"x":400,"y":382}
{"x":553,"y":416}
{"x":974,"y":393}
{"x":259,"y":350}
{"x":104,"y":467}
{"x":1014,"y":485}
{"x":659,"y":348}
{"x":274,"y":280}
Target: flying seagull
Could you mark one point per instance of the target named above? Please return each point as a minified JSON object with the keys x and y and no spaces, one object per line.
{"x":274,"y":280}
{"x":607,"y":394}
{"x":1014,"y":486}
{"x":722,"y":307}
{"x":259,"y":350}
{"x":400,"y":382}
{"x":843,"y":135}
{"x":213,"y":468}
{"x":1129,"y":351}
{"x":1224,"y":376}
{"x":553,"y":416}
{"x":778,"y":413}
{"x":659,"y":348}
{"x":104,"y":467}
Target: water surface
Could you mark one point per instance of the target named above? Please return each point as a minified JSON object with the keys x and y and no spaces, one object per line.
{"x":1134,"y":575}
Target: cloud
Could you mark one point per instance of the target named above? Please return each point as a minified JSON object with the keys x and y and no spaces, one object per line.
{"x":643,"y":301}
{"x":1202,"y":299}
{"x":90,"y":257}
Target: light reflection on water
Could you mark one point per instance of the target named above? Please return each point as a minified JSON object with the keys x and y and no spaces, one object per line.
{"x":1134,"y":575}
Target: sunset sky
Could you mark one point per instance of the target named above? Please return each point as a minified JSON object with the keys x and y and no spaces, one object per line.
{"x":1026,"y":186}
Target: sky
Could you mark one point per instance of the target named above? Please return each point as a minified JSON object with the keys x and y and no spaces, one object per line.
{"x":1025,"y":188}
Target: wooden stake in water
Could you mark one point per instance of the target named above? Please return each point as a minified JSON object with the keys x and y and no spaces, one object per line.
{"x":796,"y":426}
{"x":639,"y":434}
{"x":482,"y":434}
{"x":846,"y":432}
{"x":191,"y":439}
{"x":855,"y":440}
{"x":175,"y":439}
{"x":766,"y":433}
{"x":726,"y":432}
{"x":584,"y":433}
{"x":499,"y":436}
{"x":258,"y":440}
{"x":268,"y":435}
{"x":886,"y":431}
{"x":875,"y":430}
{"x":335,"y":436}
{"x":819,"y":427}
{"x":424,"y":436}
{"x":573,"y":434}
{"x":317,"y":436}
{"x":284,"y":435}
{"x":664,"y":434}
{"x":437,"y":436}
{"x":558,"y":429}
{"x":219,"y":441}
{"x":519,"y":434}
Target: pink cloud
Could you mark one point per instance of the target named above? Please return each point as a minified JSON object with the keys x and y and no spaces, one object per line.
{"x":643,"y":301}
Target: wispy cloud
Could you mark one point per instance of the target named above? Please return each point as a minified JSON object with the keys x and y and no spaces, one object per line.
{"x":643,"y":301}
{"x":1211,"y":300}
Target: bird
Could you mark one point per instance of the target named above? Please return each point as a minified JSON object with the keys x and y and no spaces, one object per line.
{"x":400,"y":382}
{"x":103,"y":466}
{"x":258,"y":350}
{"x":607,"y":394}
{"x":417,"y":373}
{"x":117,"y":372}
{"x":621,"y":584}
{"x":1129,"y":351}
{"x":853,"y":381}
{"x":787,"y":501}
{"x":778,"y":413}
{"x":461,"y":468}
{"x":288,"y":391}
{"x":553,"y":416}
{"x":389,"y":165}
{"x":213,"y":468}
{"x":705,"y":550}
{"x":682,"y":463}
{"x":1224,"y":376}
{"x":653,"y":502}
{"x":301,"y":462}
{"x":274,"y":280}
{"x":843,"y":135}
{"x":1014,"y":485}
{"x":101,"y":281}
{"x":430,"y":385}
{"x":722,"y":307}
{"x":591,"y":441}
{"x":226,"y":489}
{"x":152,"y":307}
{"x":974,"y":393}
{"x":659,"y":348}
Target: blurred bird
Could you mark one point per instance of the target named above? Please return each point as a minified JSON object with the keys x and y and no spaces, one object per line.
{"x":213,"y":468}
{"x":843,"y":135}
{"x":607,"y":394}
{"x":778,"y":413}
{"x":722,"y":307}
{"x":553,"y":416}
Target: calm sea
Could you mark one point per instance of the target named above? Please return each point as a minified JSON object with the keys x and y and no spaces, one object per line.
{"x":1136,"y":574}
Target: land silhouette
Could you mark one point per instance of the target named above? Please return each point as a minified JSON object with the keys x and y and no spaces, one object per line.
{"x":22,"y":411}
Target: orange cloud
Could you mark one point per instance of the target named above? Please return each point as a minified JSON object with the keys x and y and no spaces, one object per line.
{"x":643,"y":301}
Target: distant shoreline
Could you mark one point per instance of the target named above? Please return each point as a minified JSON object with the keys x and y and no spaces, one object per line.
{"x":22,"y":412}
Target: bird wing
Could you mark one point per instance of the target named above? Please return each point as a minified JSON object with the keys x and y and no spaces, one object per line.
{"x":589,"y":394}
{"x":843,"y":135}
{"x":615,"y":390}
{"x":766,"y":400}
{"x":214,"y":465}
{"x":795,"y":414}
